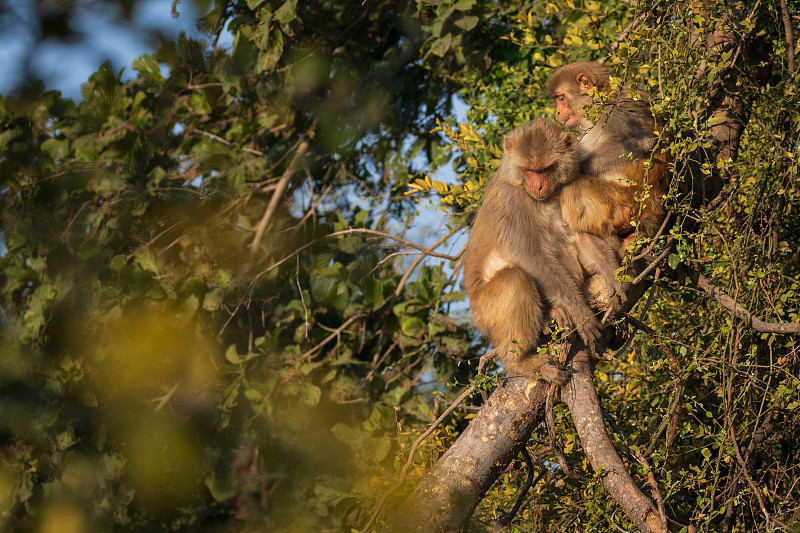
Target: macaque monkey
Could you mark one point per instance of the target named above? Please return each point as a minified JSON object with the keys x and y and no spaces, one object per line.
{"x":619,"y":149}
{"x":521,"y":264}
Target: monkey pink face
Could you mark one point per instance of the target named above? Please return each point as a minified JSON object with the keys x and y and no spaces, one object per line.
{"x":539,"y":181}
{"x":563,"y":112}
{"x":568,"y":116}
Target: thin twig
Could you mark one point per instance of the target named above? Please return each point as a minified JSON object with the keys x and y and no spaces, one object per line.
{"x":302,"y":298}
{"x":226,"y":143}
{"x":357,"y":230}
{"x":412,"y":452}
{"x":726,"y":193}
{"x":746,"y":475}
{"x":335,"y":333}
{"x":624,"y":35}
{"x":316,"y":203}
{"x":276,"y":196}
{"x":529,"y":482}
{"x":655,"y":263}
{"x":167,"y":397}
{"x":613,"y":523}
{"x":654,"y":240}
{"x":738,"y":311}
{"x":399,"y":290}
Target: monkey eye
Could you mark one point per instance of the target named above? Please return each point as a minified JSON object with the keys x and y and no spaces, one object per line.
{"x":560,"y":97}
{"x":541,"y":170}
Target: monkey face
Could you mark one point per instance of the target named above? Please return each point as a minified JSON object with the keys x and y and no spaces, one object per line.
{"x":564,"y":111}
{"x":569,"y":109}
{"x":539,"y":181}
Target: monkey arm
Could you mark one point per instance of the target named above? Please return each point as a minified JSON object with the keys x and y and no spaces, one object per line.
{"x":597,"y":206}
{"x":550,"y":258}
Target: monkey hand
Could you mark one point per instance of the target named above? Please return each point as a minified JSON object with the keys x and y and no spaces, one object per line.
{"x":590,"y":332}
{"x":552,"y":373}
{"x":560,"y":316}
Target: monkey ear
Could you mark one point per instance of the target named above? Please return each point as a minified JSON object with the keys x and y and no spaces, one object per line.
{"x":568,"y":139}
{"x":585,"y":82}
{"x":508,"y":142}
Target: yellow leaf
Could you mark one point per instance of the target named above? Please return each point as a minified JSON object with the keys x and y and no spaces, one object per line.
{"x":468,"y":133}
{"x":440,"y":187}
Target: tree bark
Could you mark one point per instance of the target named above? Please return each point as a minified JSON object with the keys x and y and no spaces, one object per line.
{"x":584,"y":406}
{"x":447,"y":496}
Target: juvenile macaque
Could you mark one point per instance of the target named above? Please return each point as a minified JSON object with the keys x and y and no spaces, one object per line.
{"x":619,"y":148}
{"x":521,"y":264}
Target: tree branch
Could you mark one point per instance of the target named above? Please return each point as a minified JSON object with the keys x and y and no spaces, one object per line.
{"x":581,"y":398}
{"x":276,"y":196}
{"x":412,"y":453}
{"x":787,"y":28}
{"x":624,"y":35}
{"x":399,"y":290}
{"x":447,"y":495}
{"x":347,"y":232}
{"x":738,"y":311}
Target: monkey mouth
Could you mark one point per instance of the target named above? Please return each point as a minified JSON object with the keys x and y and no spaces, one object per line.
{"x":538,"y":190}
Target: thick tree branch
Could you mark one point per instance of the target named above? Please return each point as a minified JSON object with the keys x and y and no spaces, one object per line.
{"x":787,"y":28}
{"x":581,"y":398}
{"x":448,"y":494}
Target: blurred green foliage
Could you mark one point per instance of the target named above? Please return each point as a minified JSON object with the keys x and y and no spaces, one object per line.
{"x":161,"y":371}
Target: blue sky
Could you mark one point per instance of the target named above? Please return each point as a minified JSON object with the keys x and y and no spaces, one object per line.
{"x":65,"y":67}
{"x":101,"y":37}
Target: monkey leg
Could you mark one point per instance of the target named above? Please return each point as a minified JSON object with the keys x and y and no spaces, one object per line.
{"x":599,"y":256}
{"x":509,"y":310}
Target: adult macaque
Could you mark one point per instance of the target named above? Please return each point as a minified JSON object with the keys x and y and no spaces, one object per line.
{"x":621,"y":147}
{"x":521,"y":264}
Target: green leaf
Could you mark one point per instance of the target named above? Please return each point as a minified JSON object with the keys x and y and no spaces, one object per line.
{"x":287,"y":12}
{"x":467,"y":22}
{"x":441,"y":46}
{"x":117,"y":263}
{"x":269,"y":56}
{"x":373,"y":291}
{"x":412,"y":326}
{"x":232,"y":355}
{"x":376,"y":449}
{"x":344,"y":433}
{"x":213,"y":299}
{"x":673,"y":261}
